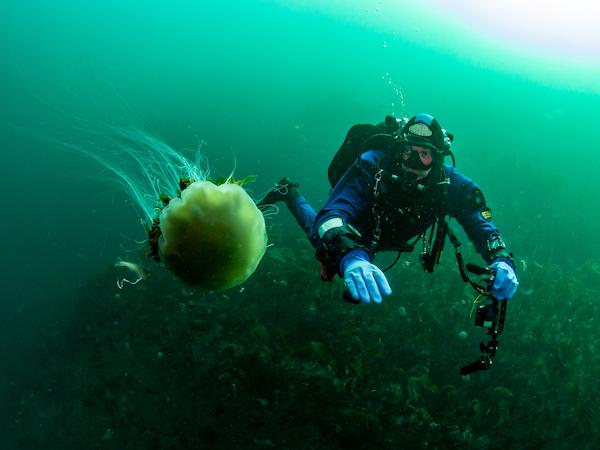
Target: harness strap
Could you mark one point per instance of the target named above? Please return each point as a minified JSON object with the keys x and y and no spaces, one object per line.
{"x":377,"y":213}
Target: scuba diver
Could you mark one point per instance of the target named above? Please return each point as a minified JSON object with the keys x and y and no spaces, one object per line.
{"x":390,"y":186}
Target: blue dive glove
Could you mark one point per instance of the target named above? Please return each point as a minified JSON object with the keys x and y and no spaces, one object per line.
{"x":365,"y":281}
{"x":505,"y":281}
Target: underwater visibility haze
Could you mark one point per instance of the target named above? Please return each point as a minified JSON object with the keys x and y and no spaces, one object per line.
{"x":111,"y":110}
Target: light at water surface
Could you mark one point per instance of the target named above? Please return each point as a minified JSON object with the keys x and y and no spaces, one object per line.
{"x":565,"y":29}
{"x":553,"y":42}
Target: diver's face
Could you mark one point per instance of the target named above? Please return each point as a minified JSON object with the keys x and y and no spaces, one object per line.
{"x":417,"y":157}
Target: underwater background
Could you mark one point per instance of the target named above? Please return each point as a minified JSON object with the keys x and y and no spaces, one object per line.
{"x":271,"y":88}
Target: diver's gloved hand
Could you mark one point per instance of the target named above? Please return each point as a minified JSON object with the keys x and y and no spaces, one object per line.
{"x":505,"y":281}
{"x":365,"y":281}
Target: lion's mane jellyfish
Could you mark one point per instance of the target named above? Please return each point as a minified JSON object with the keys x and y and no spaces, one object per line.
{"x":210,"y":234}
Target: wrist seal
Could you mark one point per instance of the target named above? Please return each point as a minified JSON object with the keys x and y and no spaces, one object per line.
{"x":339,"y":241}
{"x":497,"y":250}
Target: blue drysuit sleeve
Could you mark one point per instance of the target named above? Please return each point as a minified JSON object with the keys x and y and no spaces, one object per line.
{"x":352,"y":196}
{"x":466,"y":205}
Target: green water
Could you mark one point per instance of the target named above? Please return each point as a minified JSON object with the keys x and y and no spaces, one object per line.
{"x":272,"y":87}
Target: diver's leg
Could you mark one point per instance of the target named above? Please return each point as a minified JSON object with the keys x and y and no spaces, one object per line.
{"x":304,"y":214}
{"x":287,"y":191}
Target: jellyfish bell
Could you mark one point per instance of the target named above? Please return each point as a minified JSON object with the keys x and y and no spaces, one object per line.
{"x":210,"y":235}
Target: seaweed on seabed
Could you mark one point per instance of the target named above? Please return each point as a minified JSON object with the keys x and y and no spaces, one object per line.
{"x":167,"y":368}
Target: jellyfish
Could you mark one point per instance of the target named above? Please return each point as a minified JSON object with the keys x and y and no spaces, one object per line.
{"x":140,"y":272}
{"x":209,"y":234}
